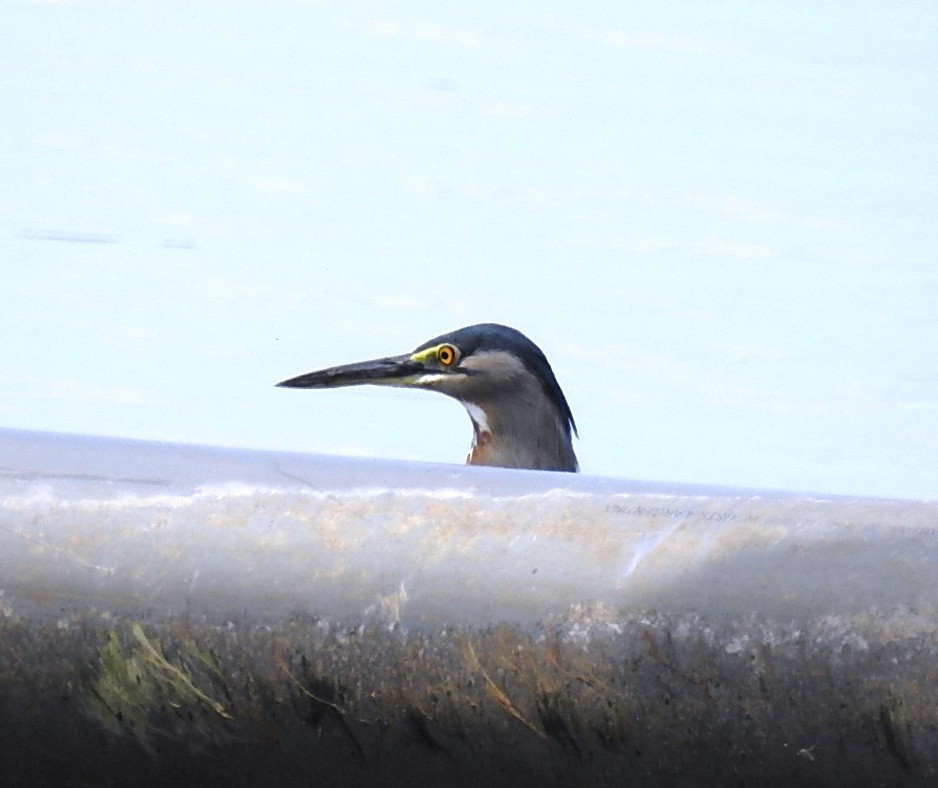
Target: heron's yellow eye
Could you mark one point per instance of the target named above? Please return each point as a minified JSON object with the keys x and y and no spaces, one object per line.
{"x":446,"y":355}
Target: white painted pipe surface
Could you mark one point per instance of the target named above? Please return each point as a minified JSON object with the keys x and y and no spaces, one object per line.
{"x":602,"y":590}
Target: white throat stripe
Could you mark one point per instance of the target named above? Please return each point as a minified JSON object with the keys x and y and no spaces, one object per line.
{"x":478,"y":416}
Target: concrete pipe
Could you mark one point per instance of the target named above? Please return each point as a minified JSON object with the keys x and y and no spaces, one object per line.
{"x":187,"y":615}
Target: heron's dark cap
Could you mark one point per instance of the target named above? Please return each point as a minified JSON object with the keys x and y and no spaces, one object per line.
{"x":496,"y":337}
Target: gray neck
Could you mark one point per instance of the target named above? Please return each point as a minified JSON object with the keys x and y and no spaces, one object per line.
{"x":521,"y":433}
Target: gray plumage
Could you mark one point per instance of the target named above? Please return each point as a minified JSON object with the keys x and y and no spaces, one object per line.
{"x":519,"y":414}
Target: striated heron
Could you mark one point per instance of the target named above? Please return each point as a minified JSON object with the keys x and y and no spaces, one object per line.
{"x":519,"y":414}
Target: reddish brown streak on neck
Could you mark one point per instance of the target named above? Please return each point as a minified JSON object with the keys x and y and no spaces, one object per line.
{"x":481,"y":447}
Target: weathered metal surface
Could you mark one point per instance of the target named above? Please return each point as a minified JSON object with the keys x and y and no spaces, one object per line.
{"x":174,"y":614}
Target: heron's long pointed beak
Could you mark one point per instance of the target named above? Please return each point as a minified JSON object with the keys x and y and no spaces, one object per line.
{"x":390,"y":371}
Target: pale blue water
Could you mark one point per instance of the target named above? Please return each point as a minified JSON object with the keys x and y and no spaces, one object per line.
{"x":718,"y":223}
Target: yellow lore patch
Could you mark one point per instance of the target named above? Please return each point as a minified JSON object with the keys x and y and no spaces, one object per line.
{"x":446,"y":355}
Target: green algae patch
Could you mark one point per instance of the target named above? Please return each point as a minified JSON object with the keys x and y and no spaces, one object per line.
{"x":138,"y":689}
